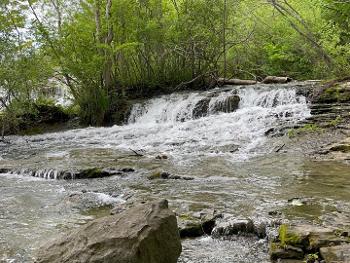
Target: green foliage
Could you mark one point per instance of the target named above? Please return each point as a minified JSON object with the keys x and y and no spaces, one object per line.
{"x":288,"y":238}
{"x":283,"y":235}
{"x":105,"y":53}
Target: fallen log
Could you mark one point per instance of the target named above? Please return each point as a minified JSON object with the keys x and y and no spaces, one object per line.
{"x":224,"y":81}
{"x":276,"y":80}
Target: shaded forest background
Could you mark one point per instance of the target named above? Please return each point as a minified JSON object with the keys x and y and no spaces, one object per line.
{"x":109,"y":51}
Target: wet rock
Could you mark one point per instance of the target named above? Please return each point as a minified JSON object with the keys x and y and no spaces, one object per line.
{"x":93,"y":173}
{"x":235,"y":226}
{"x":143,"y":234}
{"x":275,"y":213}
{"x":84,"y":201}
{"x":300,"y":201}
{"x":161,"y":157}
{"x":339,"y":254}
{"x":201,"y":108}
{"x":197,"y":225}
{"x":286,"y":252}
{"x":4,"y":170}
{"x":128,"y":170}
{"x":230,"y":104}
{"x":344,"y":148}
{"x":165,"y":176}
{"x":307,"y":238}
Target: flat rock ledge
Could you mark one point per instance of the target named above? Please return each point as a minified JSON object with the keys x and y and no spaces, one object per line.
{"x":146,"y":233}
{"x":310,"y":243}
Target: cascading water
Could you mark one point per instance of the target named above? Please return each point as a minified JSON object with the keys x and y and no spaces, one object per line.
{"x":259,"y":109}
{"x":229,"y":122}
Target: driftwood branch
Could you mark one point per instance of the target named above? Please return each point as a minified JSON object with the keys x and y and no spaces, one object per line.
{"x":223,"y":81}
{"x":136,"y":153}
{"x":280,"y":148}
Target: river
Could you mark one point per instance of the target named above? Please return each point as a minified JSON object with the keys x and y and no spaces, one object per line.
{"x":235,"y":166}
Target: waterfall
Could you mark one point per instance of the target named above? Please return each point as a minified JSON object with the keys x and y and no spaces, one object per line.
{"x":231,"y":122}
{"x":182,"y":107}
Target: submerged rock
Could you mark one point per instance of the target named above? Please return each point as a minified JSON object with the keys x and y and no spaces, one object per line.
{"x":165,"y":176}
{"x":143,"y":234}
{"x":84,"y":201}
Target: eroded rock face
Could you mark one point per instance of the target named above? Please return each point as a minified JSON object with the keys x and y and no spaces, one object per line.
{"x":143,"y":234}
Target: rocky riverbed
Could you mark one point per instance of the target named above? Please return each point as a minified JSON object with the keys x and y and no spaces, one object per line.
{"x":234,"y":174}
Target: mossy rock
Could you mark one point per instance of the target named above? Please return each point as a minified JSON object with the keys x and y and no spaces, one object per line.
{"x":338,"y":93}
{"x":92,"y":173}
{"x":344,"y":148}
{"x":290,"y":237}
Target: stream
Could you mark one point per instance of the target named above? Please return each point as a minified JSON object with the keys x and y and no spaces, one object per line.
{"x":235,"y":166}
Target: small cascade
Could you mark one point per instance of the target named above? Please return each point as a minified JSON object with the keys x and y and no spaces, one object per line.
{"x":55,"y":174}
{"x":189,"y":106}
{"x":42,"y":173}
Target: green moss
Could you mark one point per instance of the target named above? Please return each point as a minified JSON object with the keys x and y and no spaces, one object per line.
{"x":336,"y":121}
{"x":274,"y":246}
{"x":155,"y":175}
{"x":307,"y":128}
{"x":288,"y":238}
{"x":291,"y":133}
{"x":186,"y":217}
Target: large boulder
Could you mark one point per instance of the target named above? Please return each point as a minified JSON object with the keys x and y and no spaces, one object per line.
{"x":143,"y":234}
